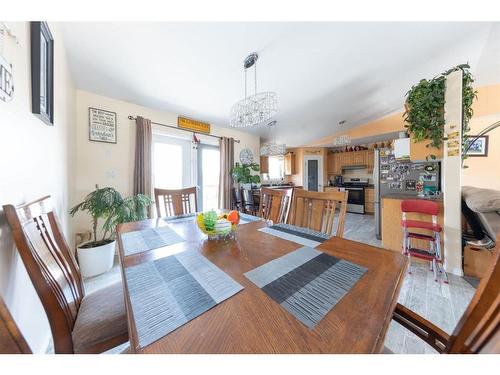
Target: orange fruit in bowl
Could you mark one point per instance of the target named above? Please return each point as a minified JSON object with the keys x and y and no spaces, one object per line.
{"x":233,"y":217}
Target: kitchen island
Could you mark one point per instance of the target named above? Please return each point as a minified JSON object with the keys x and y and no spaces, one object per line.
{"x":392,"y":233}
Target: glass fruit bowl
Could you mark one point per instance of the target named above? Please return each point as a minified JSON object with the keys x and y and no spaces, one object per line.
{"x":218,"y":225}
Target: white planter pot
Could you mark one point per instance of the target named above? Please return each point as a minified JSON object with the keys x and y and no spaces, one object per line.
{"x":96,"y":260}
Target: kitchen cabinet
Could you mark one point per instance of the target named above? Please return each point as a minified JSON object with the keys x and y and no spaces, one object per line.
{"x":264,"y":164}
{"x":359,"y":158}
{"x":347,"y":159}
{"x":289,"y":160}
{"x":333,"y":161}
{"x":369,"y":200}
{"x":370,"y":156}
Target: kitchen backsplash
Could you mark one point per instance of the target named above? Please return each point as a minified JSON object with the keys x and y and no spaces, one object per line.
{"x":357,"y":173}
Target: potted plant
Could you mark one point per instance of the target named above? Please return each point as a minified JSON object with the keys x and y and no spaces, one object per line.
{"x":96,"y":256}
{"x":242,"y":173}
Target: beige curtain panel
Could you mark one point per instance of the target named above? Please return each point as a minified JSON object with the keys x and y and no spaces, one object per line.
{"x":143,"y":169}
{"x":225,"y":177}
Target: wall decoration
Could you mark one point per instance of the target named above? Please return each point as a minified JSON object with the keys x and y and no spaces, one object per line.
{"x":246,"y":156}
{"x":479,"y":147}
{"x":6,"y":81}
{"x":42,"y":72}
{"x":102,"y":125}
{"x":194,"y":125}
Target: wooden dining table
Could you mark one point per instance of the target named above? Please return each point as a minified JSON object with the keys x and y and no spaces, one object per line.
{"x":250,"y":321}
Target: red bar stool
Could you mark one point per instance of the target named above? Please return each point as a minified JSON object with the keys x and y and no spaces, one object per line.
{"x":433,"y":255}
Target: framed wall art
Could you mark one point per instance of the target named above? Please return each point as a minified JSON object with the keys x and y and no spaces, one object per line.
{"x":479,"y":147}
{"x":102,"y":125}
{"x":42,"y":72}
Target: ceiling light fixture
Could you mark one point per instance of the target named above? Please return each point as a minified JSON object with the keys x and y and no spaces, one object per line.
{"x":257,"y":108}
{"x":273,"y":148}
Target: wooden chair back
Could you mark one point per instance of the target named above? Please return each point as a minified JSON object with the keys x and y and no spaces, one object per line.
{"x":11,"y":339}
{"x":316,"y":210}
{"x":275,"y":204}
{"x":50,"y":265}
{"x":478,"y":331}
{"x":176,"y":202}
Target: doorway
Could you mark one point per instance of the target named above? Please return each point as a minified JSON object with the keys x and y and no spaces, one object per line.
{"x":313,"y":173}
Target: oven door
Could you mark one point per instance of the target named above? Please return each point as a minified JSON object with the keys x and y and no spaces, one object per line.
{"x":356,"y":200}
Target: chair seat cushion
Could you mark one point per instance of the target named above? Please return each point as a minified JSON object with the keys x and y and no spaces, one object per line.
{"x":421,"y":225}
{"x":102,"y":321}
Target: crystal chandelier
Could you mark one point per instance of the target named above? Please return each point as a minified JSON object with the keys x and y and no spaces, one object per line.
{"x":273,"y":148}
{"x":254,"y":109}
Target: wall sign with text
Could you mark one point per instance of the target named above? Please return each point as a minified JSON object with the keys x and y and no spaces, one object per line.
{"x":193,"y":125}
{"x":6,"y":81}
{"x":102,"y":125}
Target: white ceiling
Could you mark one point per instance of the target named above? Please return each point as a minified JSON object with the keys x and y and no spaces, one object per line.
{"x":323,"y":72}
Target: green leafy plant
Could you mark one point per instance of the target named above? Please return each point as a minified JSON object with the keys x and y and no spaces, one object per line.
{"x":242,"y":173}
{"x":424,"y":107}
{"x":107,"y":204}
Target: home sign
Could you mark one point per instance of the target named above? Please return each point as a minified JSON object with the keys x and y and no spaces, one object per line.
{"x":102,"y":125}
{"x":6,"y":81}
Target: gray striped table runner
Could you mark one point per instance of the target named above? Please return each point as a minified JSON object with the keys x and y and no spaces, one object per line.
{"x":303,"y":236}
{"x":148,"y":239}
{"x":307,"y":282}
{"x":181,"y":218}
{"x":169,"y":292}
{"x":246,"y":218}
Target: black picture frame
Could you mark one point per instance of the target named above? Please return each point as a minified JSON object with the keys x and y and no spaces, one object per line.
{"x":42,"y":72}
{"x":483,"y":152}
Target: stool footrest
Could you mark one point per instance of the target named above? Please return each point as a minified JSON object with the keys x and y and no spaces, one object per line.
{"x":422,"y":254}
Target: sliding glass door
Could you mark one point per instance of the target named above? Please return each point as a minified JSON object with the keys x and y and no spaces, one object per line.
{"x":177,"y":164}
{"x":208,"y":176}
{"x":172,"y":164}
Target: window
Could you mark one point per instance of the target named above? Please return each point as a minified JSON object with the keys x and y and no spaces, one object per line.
{"x":276,"y":167}
{"x":171,"y":163}
{"x":208,"y":176}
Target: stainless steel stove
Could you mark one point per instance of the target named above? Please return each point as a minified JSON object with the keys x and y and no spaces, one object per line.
{"x":356,"y":197}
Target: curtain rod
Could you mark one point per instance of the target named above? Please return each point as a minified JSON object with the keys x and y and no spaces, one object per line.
{"x":184,"y":130}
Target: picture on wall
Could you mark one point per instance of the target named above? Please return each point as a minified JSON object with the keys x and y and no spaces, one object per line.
{"x":42,"y":72}
{"x":102,"y":125}
{"x":479,"y":147}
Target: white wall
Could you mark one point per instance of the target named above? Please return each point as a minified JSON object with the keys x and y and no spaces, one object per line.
{"x":35,"y":160}
{"x":109,"y":164}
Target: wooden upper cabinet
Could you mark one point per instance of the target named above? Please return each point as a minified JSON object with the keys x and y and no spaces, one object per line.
{"x":264,"y":164}
{"x":289,"y":164}
{"x":359,"y":158}
{"x":370,"y":156}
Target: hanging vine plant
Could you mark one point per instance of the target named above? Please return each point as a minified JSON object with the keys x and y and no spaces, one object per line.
{"x":424,"y":108}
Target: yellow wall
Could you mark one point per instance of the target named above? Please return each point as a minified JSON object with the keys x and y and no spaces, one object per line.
{"x":36,"y":160}
{"x":484,"y":172}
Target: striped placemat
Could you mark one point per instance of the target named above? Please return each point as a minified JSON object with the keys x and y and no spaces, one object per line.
{"x":169,"y":292}
{"x":181,"y":218}
{"x":307,"y":282}
{"x":246,"y":218}
{"x":148,"y":239}
{"x":303,"y":236}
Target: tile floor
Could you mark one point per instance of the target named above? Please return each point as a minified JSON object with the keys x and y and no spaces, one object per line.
{"x":442,"y":304}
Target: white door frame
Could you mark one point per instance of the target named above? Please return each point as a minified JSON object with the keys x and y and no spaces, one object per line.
{"x":320,"y":170}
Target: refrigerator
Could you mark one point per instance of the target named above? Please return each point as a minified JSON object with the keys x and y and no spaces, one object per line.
{"x":398,"y":177}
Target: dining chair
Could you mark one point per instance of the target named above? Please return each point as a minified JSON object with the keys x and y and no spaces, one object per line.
{"x":478,"y":331}
{"x":275,"y":204}
{"x":248,"y":202}
{"x":316,"y":210}
{"x":80,"y":323}
{"x":237,"y":200}
{"x":176,"y":202}
{"x":11,"y":339}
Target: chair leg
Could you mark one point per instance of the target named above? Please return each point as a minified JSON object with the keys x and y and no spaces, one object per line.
{"x":434,"y":267}
{"x":409,"y":264}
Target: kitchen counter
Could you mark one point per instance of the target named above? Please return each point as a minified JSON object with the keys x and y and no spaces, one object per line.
{"x":403,"y":196}
{"x":391,"y":215}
